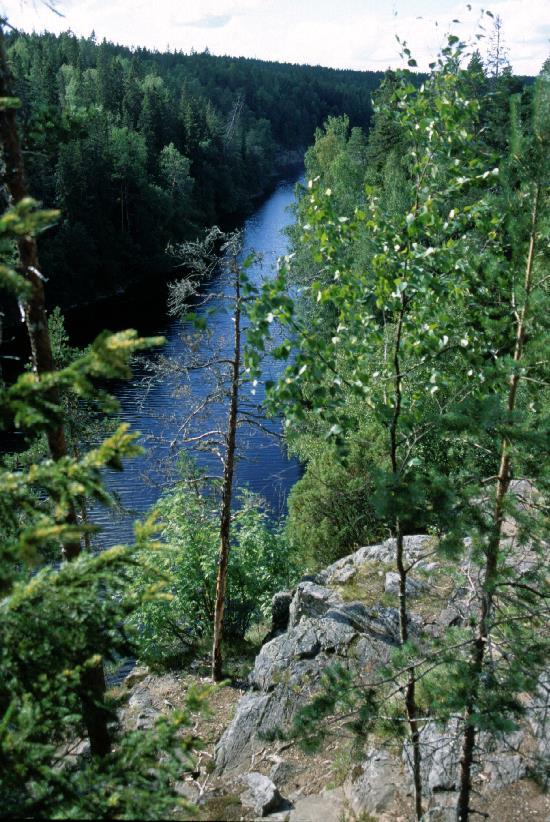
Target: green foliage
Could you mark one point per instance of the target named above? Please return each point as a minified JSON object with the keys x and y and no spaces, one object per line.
{"x":83,"y":418}
{"x":331,"y":509}
{"x":261,"y":563}
{"x":140,"y":148}
{"x":59,"y":620}
{"x":344,"y":339}
{"x":422,"y":328}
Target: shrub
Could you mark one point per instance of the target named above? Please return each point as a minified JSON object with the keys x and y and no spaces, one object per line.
{"x":261,"y":562}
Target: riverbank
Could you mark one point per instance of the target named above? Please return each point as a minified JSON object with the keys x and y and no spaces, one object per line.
{"x":155,"y":406}
{"x":143,"y":297}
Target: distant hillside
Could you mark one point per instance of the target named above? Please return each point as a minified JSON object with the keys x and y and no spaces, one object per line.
{"x":137,"y":147}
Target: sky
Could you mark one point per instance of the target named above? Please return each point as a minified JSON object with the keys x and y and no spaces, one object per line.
{"x":358,"y":34}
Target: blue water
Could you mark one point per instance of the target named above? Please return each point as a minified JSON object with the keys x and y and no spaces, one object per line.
{"x":157,"y":404}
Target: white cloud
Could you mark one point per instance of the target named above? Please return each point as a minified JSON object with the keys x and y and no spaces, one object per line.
{"x":350,"y":33}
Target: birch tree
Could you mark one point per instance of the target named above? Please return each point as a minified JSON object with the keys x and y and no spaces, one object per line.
{"x":423,"y":340}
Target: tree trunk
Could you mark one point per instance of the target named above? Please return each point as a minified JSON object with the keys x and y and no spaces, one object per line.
{"x":493,"y":548}
{"x":34,"y":308}
{"x":37,"y":325}
{"x":410,"y":690}
{"x":227,"y":490}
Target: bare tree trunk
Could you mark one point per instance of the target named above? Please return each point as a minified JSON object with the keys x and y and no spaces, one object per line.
{"x":493,"y":548}
{"x":410,"y":690}
{"x":37,"y":325}
{"x":227,"y":489}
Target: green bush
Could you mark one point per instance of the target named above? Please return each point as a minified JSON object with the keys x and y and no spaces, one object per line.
{"x":261,"y":563}
{"x":330,"y":511}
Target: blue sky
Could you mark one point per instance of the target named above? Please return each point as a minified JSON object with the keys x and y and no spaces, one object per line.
{"x":356,"y":34}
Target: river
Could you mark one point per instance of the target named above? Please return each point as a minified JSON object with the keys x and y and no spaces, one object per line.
{"x":154,"y":406}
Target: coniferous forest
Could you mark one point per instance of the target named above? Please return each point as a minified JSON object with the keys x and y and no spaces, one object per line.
{"x":378,"y":648}
{"x":139,"y":148}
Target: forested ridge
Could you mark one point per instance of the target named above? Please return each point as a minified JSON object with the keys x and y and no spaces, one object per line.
{"x":139,"y":148}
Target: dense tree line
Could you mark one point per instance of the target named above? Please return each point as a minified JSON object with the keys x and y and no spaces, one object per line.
{"x":417,"y":391}
{"x":138,"y":148}
{"x":63,"y":611}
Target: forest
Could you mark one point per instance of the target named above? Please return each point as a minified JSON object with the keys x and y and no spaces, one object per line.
{"x":392,"y":626}
{"x":146,"y":148}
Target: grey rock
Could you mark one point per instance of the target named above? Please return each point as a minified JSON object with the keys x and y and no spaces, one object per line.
{"x":135,"y":676}
{"x":428,"y":567}
{"x":322,"y":630}
{"x":379,"y":623}
{"x":333,"y":633}
{"x":339,"y":572}
{"x":279,"y":816}
{"x":188,"y":790}
{"x":82,"y":749}
{"x":440,"y":813}
{"x":504,"y":769}
{"x":288,"y":668}
{"x":417,"y":548}
{"x":375,"y":790}
{"x":146,"y":720}
{"x":343,"y":574}
{"x":141,"y":699}
{"x":282,"y":771}
{"x":272,"y":663}
{"x":310,"y":600}
{"x":328,"y":806}
{"x":449,"y":616}
{"x":141,"y":711}
{"x":261,"y":795}
{"x":440,"y":756}
{"x":538,"y":713}
{"x":413,"y":586}
{"x":441,"y":750}
{"x":239,"y":736}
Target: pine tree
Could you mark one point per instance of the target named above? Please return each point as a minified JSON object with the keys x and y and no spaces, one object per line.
{"x":61,"y":619}
{"x":526,"y":196}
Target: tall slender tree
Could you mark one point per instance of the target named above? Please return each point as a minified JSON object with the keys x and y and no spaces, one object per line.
{"x":526,"y":192}
{"x":422,"y":341}
{"x":222,"y":253}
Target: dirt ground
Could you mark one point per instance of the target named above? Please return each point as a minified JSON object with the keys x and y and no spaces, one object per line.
{"x":303,"y":774}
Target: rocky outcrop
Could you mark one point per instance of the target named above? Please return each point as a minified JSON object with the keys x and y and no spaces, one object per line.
{"x":316,"y":626}
{"x":419,"y":551}
{"x":333,"y":617}
{"x":322,"y":629}
{"x":374,"y":791}
{"x":329,"y":806}
{"x":412,"y":586}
